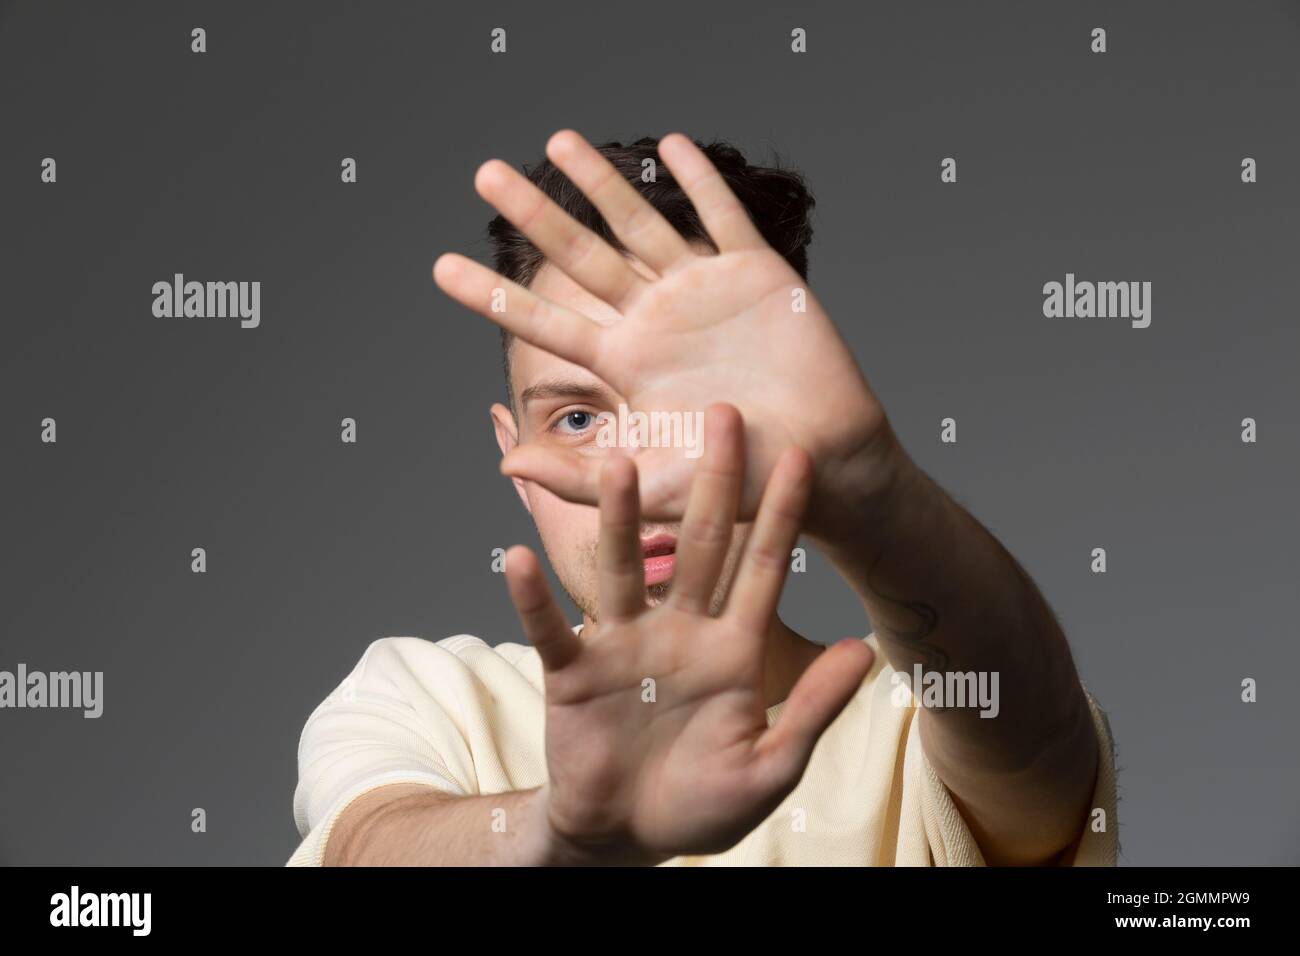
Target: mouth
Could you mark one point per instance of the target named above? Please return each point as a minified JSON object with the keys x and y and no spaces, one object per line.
{"x":660,"y":554}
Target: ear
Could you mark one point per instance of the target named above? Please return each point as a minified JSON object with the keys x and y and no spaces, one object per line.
{"x":507,"y":432}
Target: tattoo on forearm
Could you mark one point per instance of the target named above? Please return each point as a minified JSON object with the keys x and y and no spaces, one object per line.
{"x":913,"y":639}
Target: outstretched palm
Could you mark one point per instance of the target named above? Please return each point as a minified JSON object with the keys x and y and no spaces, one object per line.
{"x":738,"y":326}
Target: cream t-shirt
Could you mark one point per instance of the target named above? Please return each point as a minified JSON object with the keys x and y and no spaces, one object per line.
{"x":467,"y":718}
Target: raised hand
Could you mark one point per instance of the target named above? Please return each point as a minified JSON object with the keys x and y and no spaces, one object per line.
{"x":691,"y":771}
{"x":713,"y":327}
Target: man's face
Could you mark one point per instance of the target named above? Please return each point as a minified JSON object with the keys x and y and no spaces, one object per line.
{"x":557,"y":403}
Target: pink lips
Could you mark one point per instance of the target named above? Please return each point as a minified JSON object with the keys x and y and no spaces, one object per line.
{"x":660,"y":554}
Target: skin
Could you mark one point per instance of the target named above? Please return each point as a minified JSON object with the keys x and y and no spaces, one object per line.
{"x":700,"y":328}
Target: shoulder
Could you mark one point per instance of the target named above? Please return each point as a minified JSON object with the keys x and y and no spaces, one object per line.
{"x":405,"y":658}
{"x":412,"y":669}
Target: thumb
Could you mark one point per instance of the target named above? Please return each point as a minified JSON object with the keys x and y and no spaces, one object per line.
{"x":664,"y":476}
{"x":821,"y":693}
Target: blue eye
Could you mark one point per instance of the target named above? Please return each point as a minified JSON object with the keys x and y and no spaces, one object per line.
{"x":577,"y":421}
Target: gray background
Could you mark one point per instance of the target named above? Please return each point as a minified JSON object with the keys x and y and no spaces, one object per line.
{"x":177,"y":433}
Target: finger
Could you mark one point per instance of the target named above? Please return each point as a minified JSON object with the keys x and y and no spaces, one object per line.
{"x":620,"y":565}
{"x":550,"y":327}
{"x":636,"y":223}
{"x":591,"y":261}
{"x":829,"y":683}
{"x":757,"y":590}
{"x":543,"y":623}
{"x":663,"y":474}
{"x":710,"y":511}
{"x":723,"y":215}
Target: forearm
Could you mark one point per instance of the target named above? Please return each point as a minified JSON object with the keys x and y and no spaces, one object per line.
{"x":941,"y":592}
{"x":414,"y":825}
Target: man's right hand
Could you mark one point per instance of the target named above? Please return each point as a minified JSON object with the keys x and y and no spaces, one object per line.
{"x":657,"y":742}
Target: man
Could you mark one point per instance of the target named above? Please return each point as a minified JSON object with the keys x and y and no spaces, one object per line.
{"x":684,"y":723}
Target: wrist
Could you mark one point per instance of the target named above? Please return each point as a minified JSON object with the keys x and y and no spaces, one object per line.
{"x":554,"y":846}
{"x":859,"y":494}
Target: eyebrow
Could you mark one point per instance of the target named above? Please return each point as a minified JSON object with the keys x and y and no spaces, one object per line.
{"x":562,"y":388}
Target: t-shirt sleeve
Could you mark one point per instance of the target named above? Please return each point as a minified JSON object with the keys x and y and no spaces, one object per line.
{"x":949,"y":837}
{"x":386,"y":723}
